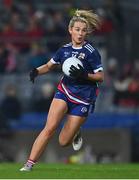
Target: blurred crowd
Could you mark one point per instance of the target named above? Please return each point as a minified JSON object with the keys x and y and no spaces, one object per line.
{"x":32,"y":32}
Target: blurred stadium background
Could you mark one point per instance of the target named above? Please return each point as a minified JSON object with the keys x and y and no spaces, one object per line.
{"x":30,"y":33}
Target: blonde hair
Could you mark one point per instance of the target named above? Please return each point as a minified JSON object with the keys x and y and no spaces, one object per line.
{"x":87,"y":16}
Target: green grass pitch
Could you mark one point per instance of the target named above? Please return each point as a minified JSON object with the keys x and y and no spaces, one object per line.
{"x":63,"y":171}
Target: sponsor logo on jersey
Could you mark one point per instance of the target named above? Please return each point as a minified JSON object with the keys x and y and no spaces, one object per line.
{"x":66,"y":54}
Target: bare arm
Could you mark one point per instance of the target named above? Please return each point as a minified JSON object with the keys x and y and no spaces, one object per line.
{"x":46,"y":68}
{"x":97,"y":77}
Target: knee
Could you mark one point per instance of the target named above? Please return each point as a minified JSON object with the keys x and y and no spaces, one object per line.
{"x":63,"y":141}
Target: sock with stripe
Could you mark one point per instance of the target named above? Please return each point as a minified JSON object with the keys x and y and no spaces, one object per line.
{"x":30,"y":163}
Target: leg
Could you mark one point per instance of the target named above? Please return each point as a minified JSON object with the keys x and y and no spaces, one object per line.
{"x":56,"y":113}
{"x":70,"y":128}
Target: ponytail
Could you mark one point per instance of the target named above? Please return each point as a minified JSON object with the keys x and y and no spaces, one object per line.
{"x":87,"y":16}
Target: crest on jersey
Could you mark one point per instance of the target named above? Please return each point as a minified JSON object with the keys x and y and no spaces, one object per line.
{"x":81,"y":56}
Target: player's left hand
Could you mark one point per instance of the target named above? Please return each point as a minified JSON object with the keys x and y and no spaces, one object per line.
{"x":78,"y":72}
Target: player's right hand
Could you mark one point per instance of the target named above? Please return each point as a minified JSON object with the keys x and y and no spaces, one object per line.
{"x":33,"y":74}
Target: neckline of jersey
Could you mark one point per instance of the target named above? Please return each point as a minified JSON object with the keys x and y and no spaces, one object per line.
{"x":80,"y":46}
{"x":77,"y":47}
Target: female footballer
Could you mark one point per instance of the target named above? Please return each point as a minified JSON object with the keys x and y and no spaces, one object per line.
{"x":76,"y":95}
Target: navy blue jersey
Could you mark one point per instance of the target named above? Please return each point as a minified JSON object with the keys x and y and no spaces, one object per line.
{"x":79,"y":91}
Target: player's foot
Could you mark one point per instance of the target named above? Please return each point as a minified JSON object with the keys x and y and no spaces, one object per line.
{"x":26,"y":167}
{"x":77,"y":141}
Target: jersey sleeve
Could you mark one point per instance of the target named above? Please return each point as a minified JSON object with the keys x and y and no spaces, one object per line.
{"x":95,"y":61}
{"x":56,"y":59}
